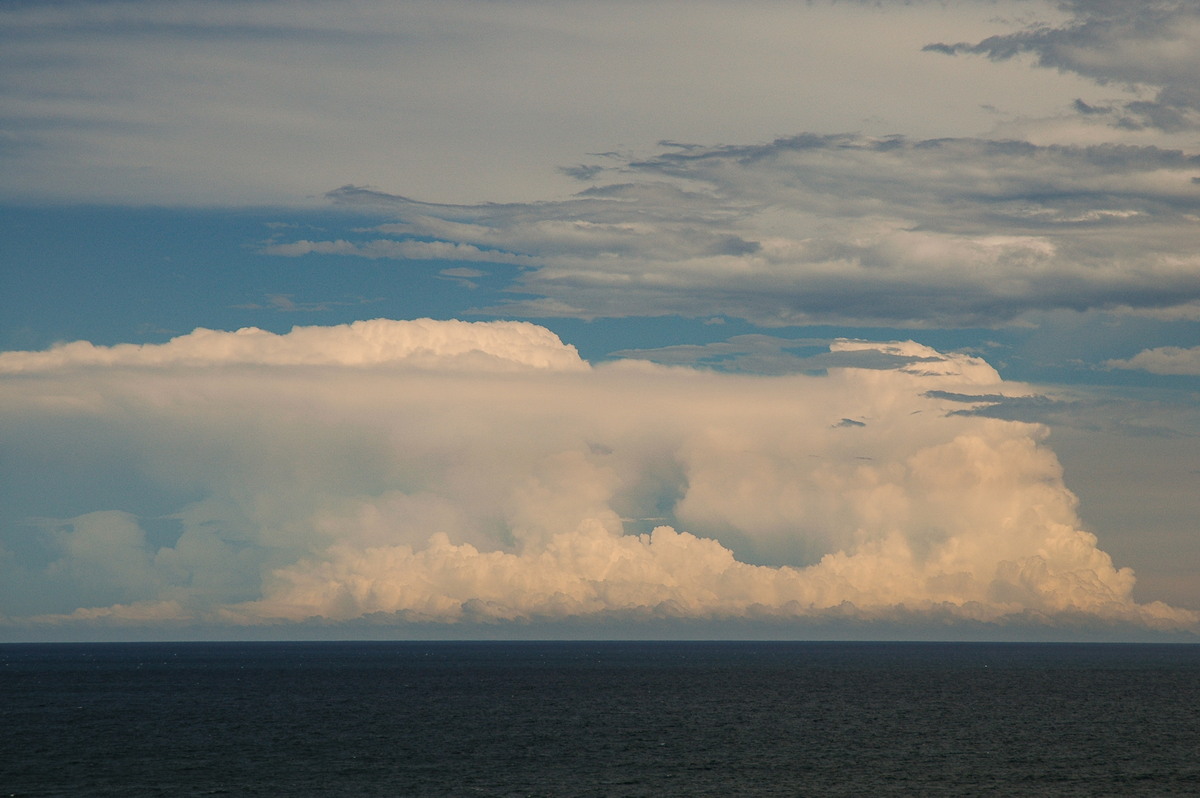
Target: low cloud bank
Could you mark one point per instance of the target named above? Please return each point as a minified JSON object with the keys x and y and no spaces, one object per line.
{"x":254,"y":488}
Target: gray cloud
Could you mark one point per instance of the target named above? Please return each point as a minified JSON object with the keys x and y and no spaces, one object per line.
{"x":1150,"y":414}
{"x":768,"y":354}
{"x":1153,"y":44}
{"x":833,"y":229}
{"x":264,"y":101}
{"x":1034,"y":408}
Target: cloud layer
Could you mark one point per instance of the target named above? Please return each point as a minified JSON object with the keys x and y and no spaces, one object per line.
{"x":833,"y":229}
{"x":258,"y":490}
{"x":270,"y":102}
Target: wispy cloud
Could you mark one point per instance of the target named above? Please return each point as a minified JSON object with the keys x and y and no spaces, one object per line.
{"x":287,"y":303}
{"x":768,"y":354}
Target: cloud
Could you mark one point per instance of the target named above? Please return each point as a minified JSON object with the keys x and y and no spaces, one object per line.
{"x":399,"y":250}
{"x":287,"y":303}
{"x":476,"y":345}
{"x":1163,"y":360}
{"x":1155,"y":45}
{"x":262,"y":488}
{"x":263,"y":102}
{"x":768,"y":354}
{"x":834,"y":229}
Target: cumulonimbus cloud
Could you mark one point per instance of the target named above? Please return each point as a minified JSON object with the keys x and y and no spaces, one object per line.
{"x":839,"y":229}
{"x":262,"y":491}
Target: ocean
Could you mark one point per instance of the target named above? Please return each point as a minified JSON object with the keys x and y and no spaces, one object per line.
{"x":647,"y":719}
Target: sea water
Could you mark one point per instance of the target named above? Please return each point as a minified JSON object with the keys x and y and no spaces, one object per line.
{"x":599,"y":719}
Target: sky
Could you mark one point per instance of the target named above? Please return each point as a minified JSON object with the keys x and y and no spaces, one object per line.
{"x":526,"y":319}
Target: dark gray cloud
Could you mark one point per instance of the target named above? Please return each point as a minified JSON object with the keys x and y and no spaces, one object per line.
{"x":1153,"y":44}
{"x":1034,"y":408}
{"x":1154,"y":414}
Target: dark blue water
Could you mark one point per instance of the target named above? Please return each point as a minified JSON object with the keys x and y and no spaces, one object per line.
{"x":599,"y":719}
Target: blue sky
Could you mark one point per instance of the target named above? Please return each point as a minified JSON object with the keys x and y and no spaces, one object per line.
{"x":754,"y":199}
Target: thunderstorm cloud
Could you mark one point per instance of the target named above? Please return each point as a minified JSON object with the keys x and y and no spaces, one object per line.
{"x":448,"y":471}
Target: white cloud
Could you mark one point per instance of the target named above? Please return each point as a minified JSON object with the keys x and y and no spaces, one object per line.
{"x":474,"y":345}
{"x":1163,"y":360}
{"x":472,"y":494}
